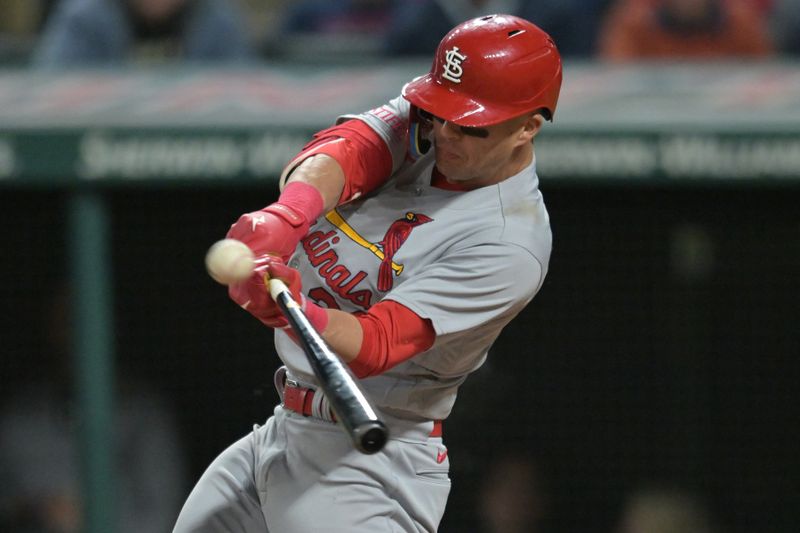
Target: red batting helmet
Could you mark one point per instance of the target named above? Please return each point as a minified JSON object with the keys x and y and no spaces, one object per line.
{"x":488,"y":70}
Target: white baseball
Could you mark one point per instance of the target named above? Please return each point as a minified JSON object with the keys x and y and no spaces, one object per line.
{"x":229,"y":261}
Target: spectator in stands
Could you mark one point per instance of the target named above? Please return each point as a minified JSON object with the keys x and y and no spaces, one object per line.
{"x":117,"y":32}
{"x":659,"y":510}
{"x":418,"y":25}
{"x":19,"y":16}
{"x":39,"y":455}
{"x":511,"y":496}
{"x":263,"y":20}
{"x":786,"y":26}
{"x":321,"y":28}
{"x":324,"y":16}
{"x":20,"y":22}
{"x":684,"y":29}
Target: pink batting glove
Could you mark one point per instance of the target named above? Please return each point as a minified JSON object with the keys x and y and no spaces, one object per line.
{"x":276,"y":229}
{"x":253,"y":295}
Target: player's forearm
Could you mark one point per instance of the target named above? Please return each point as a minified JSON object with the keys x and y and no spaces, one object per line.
{"x":373,"y":342}
{"x":324,"y":173}
{"x":344,"y":334}
{"x":356,"y":161}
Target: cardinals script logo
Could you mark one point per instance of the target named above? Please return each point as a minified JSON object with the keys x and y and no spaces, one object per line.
{"x":386,"y":248}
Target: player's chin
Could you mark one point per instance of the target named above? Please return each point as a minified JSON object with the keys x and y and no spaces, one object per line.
{"x":444,"y":155}
{"x":451,"y":166}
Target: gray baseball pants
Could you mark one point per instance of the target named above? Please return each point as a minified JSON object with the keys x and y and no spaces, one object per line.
{"x":301,"y":474}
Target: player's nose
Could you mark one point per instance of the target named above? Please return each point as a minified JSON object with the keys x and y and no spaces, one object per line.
{"x":448,"y":130}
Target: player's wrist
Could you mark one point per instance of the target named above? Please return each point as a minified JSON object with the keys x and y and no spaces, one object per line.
{"x":277,"y":228}
{"x":285,"y":222}
{"x":299,"y":204}
{"x":317,"y":315}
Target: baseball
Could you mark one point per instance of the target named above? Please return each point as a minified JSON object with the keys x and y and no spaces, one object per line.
{"x":229,"y":261}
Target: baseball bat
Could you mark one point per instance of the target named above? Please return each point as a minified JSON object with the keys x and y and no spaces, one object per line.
{"x":352,"y":409}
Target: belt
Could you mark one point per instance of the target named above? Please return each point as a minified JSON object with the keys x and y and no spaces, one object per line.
{"x":301,"y":400}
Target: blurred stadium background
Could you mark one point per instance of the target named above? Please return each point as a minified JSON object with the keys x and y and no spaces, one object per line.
{"x":649,"y":387}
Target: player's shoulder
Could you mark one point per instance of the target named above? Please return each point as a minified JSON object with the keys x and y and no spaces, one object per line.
{"x":390,"y":123}
{"x":524,"y":218}
{"x":389,"y":120}
{"x":514,"y":237}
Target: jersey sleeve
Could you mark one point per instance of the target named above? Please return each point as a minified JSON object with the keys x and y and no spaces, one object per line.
{"x":392,"y":333}
{"x":390,"y":122}
{"x":468,"y":288}
{"x":369,"y":147}
{"x":469,"y":295}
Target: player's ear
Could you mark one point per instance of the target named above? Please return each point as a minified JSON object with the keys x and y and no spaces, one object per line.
{"x":532,"y":125}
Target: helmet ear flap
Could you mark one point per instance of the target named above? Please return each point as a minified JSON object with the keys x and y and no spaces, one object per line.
{"x":419,"y":134}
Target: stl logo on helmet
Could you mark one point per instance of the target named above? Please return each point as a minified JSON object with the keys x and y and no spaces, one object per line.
{"x":452,"y":65}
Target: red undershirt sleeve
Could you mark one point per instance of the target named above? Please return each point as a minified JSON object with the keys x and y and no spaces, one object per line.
{"x":392,"y":334}
{"x":360,"y":151}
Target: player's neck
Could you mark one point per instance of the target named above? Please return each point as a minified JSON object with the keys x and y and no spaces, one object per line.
{"x":440,"y":181}
{"x":520,"y":159}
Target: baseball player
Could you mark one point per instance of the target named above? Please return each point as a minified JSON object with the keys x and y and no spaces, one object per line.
{"x":411,"y":234}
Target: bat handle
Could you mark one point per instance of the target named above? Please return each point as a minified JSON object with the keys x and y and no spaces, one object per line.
{"x":276,"y":287}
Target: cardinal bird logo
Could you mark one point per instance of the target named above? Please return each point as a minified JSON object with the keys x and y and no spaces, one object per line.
{"x":394,"y":238}
{"x":384,"y":249}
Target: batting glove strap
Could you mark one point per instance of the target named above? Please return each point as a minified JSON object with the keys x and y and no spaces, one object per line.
{"x":278,"y":228}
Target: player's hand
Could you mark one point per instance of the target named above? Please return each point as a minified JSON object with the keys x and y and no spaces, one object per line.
{"x":274,"y":230}
{"x":253,"y":293}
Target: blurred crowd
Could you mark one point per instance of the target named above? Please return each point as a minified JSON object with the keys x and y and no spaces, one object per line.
{"x":107,"y":32}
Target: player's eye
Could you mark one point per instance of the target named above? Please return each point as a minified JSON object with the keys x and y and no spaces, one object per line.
{"x":466,"y":130}
{"x":474,"y":132}
{"x":425,"y":114}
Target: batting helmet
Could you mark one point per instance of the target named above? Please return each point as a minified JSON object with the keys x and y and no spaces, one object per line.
{"x":488,"y":70}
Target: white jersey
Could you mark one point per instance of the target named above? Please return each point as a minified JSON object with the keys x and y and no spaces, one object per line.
{"x":467,"y":261}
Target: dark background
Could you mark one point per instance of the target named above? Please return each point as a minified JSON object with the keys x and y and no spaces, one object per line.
{"x":660,"y":350}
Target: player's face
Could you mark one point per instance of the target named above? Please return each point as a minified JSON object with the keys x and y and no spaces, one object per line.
{"x":476,"y":157}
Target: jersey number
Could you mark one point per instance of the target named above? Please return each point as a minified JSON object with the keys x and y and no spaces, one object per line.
{"x":322,"y":297}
